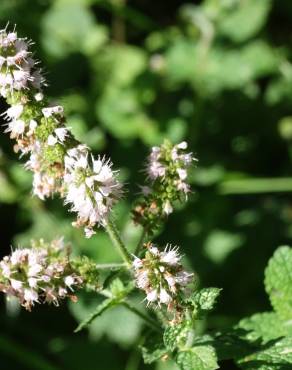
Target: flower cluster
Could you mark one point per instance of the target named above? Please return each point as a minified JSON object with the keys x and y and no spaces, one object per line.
{"x":59,"y":163}
{"x":161,"y":275}
{"x":167,"y":172}
{"x":92,"y":188}
{"x":39,"y":274}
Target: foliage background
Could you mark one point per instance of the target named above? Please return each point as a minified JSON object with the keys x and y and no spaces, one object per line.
{"x":216,"y":72}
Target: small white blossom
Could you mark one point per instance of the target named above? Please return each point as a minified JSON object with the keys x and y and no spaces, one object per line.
{"x":50,"y":111}
{"x":167,"y":207}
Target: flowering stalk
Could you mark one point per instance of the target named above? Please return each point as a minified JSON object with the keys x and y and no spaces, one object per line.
{"x":60,"y":164}
{"x":167,"y":172}
{"x":117,"y":241}
{"x":39,"y":274}
{"x":162,"y":277}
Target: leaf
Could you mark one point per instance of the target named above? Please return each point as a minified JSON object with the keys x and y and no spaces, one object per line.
{"x":153,"y":349}
{"x":204,"y":299}
{"x":176,"y":335}
{"x":276,"y":356}
{"x":265,"y":326}
{"x":244,"y":19}
{"x":60,"y":34}
{"x":278,"y":282}
{"x":197,"y":358}
{"x":105,"y":305}
{"x":231,"y":344}
{"x":8,"y":193}
{"x":220,"y":244}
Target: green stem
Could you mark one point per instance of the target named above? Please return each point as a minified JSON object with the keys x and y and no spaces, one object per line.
{"x":140,"y":242}
{"x":118,"y":243}
{"x":146,"y":318}
{"x":256,"y":185}
{"x":110,"y":266}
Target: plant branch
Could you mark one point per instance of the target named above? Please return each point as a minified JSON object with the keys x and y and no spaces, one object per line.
{"x":141,"y":241}
{"x":146,"y":318}
{"x":110,"y":266}
{"x":117,"y":241}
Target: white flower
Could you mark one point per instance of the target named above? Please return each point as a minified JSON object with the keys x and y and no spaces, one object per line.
{"x":32,"y":282}
{"x":170,"y":256}
{"x":167,"y":207}
{"x":182,"y":173}
{"x":69,"y":281}
{"x":183,"y":145}
{"x":30,"y":295}
{"x":152,"y":296}
{"x":89,"y":232}
{"x":164,"y":297}
{"x":16,"y":284}
{"x":14,"y":112}
{"x":61,"y":133}
{"x":142,"y":279}
{"x":16,"y":127}
{"x":50,"y":111}
{"x":137,"y":263}
{"x":39,"y":96}
{"x":183,"y":278}
{"x":52,"y":140}
{"x":92,"y":188}
{"x":32,"y":126}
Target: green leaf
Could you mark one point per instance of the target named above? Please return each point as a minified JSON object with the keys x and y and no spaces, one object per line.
{"x":117,"y":324}
{"x":204,"y":299}
{"x":197,"y":358}
{"x":278,"y":282}
{"x":8,"y":193}
{"x":265,"y":326}
{"x":231,"y":344}
{"x":153,"y":348}
{"x":276,"y":356}
{"x":244,"y":19}
{"x":220,"y":244}
{"x":175,"y":336}
{"x":60,"y":34}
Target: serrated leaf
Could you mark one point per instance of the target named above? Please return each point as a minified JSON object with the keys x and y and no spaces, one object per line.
{"x":153,"y":348}
{"x":278,"y":282}
{"x":176,"y":335}
{"x":105,"y":305}
{"x":205,"y":299}
{"x":265,"y":326}
{"x":275,"y":356}
{"x":231,"y":344}
{"x":197,"y":358}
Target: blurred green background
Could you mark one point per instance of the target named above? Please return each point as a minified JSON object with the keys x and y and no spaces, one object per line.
{"x":217,"y":73}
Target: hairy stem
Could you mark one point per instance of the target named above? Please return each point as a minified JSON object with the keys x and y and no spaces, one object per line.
{"x":141,"y":241}
{"x":146,"y":318}
{"x":117,"y":241}
{"x":109,"y":266}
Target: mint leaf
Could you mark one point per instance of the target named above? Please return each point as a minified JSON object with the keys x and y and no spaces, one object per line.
{"x":205,"y":299}
{"x":176,"y":335}
{"x":278,"y":282}
{"x":197,"y":358}
{"x":153,"y":349}
{"x":265,"y":326}
{"x":276,"y":356}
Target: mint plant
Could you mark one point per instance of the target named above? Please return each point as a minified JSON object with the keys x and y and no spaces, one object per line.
{"x":172,"y":306}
